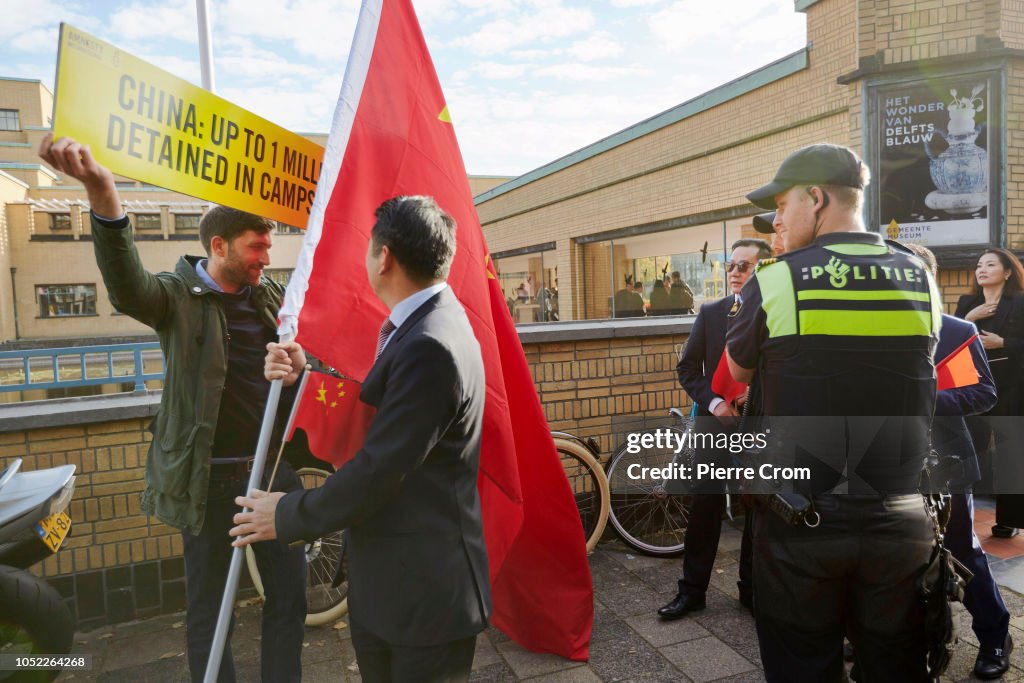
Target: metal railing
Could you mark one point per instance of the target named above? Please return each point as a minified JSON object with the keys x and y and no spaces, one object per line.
{"x":81,"y":366}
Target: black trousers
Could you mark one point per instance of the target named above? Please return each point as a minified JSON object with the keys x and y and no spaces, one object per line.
{"x":703,"y":533}
{"x":991,"y":620}
{"x":383,"y":662}
{"x":282,"y":570}
{"x":998,"y":438}
{"x":855,"y":574}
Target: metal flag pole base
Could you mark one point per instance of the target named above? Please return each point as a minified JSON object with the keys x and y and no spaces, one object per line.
{"x":227,"y":603}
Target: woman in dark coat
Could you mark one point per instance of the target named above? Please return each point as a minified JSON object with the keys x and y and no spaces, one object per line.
{"x":996,"y":306}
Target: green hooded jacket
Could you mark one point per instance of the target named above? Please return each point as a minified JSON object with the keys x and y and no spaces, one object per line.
{"x":190,"y":323}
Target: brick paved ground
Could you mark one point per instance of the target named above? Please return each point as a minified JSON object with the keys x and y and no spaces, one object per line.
{"x":629,"y":642}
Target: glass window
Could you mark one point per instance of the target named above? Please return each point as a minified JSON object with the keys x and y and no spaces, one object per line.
{"x":283,"y":229}
{"x":60,"y":221}
{"x":9,"y":119}
{"x":662,"y":273}
{"x":279,"y":275}
{"x":530,"y":286}
{"x":186,"y":222}
{"x":60,"y":301}
{"x":147,"y":221}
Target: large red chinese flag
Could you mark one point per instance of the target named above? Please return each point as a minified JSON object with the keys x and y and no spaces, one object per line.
{"x":392,"y":135}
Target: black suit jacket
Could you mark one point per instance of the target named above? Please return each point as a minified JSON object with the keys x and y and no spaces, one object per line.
{"x":703,"y":351}
{"x":1008,"y":323}
{"x":949,"y":430}
{"x":417,"y":564}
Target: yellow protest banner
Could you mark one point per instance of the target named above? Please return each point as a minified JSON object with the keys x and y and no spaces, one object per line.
{"x":145,"y":123}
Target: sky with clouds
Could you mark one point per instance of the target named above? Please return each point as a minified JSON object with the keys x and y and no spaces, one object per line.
{"x":527,"y":81}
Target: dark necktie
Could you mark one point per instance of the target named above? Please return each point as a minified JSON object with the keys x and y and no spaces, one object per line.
{"x":385,"y":331}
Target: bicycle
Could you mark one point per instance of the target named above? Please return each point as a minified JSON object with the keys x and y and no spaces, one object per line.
{"x":581,"y":462}
{"x":642,"y":512}
{"x":324,"y":602}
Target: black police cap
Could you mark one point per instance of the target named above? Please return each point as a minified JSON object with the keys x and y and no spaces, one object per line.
{"x":763,"y":222}
{"x":821,"y":164}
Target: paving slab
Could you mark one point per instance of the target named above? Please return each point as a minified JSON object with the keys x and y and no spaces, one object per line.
{"x":139,"y":650}
{"x":495,"y":673}
{"x":578,"y":675}
{"x":632,"y":597}
{"x":707,"y":659}
{"x":736,"y":628}
{"x":1009,"y":573}
{"x":659,"y":632}
{"x":485,"y":653}
{"x":618,"y":653}
{"x":629,"y":642}
{"x":164,"y":671}
{"x":664,"y":577}
{"x":526,"y":664}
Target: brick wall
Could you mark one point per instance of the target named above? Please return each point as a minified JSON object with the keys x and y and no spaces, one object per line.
{"x":603,"y":388}
{"x":118,"y":564}
{"x":909,"y":30}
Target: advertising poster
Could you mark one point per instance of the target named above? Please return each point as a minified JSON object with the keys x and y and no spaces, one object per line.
{"x":145,"y":123}
{"x":933,"y":170}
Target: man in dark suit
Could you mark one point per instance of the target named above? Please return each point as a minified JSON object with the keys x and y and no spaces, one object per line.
{"x":419,"y":589}
{"x":696,"y":369}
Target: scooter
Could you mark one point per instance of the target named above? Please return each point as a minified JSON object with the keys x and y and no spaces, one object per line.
{"x":33,"y":524}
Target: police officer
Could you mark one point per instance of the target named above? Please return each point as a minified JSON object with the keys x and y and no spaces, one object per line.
{"x":843,"y":324}
{"x":764,"y":223}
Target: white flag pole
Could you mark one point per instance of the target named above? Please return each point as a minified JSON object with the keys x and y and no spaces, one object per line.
{"x":205,"y":46}
{"x":227,"y":603}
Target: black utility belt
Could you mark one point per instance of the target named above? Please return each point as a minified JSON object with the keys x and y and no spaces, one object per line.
{"x":233,"y":465}
{"x":796,"y":508}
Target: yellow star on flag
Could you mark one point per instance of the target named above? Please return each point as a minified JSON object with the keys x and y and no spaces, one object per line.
{"x":444,"y":115}
{"x":487,"y":266}
{"x":321,"y":394}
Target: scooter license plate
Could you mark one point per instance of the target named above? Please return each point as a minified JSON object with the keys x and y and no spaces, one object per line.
{"x":53,"y":530}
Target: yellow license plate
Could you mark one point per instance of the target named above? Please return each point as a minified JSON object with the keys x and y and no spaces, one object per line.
{"x":53,"y":529}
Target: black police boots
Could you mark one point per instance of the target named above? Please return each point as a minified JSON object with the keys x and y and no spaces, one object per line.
{"x":993,"y":662}
{"x":682,"y":605}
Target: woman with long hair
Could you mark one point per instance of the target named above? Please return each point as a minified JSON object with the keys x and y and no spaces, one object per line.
{"x":996,"y":306}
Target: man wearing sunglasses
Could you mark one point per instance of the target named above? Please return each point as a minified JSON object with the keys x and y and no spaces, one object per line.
{"x":696,"y":368}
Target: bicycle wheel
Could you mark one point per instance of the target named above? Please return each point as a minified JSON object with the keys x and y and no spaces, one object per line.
{"x":642,"y":512}
{"x":589,"y":486}
{"x":324,"y":603}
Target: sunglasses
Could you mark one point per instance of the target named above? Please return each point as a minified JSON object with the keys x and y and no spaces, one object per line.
{"x":741,"y":266}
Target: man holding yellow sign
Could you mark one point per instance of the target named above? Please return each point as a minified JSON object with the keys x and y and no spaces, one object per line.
{"x":214,"y":317}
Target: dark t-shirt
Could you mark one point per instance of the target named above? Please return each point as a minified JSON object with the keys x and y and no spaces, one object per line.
{"x":245,"y":389}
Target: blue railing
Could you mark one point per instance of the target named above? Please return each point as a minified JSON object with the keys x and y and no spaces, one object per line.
{"x":80,"y":366}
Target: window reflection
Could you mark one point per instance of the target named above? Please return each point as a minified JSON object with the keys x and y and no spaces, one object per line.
{"x":664,"y":273}
{"x":530,"y":286}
